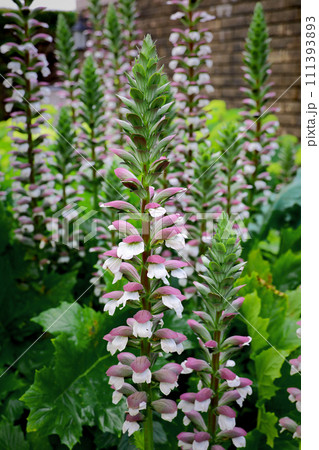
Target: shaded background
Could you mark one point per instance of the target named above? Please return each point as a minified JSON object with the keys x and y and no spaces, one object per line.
{"x":230,"y":29}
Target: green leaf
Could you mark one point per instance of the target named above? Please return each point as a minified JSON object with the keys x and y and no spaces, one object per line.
{"x":12,"y":438}
{"x":268,"y":366}
{"x":256,"y":263}
{"x":287,"y":271}
{"x":73,"y":390}
{"x":267,"y":423}
{"x":257,"y":326}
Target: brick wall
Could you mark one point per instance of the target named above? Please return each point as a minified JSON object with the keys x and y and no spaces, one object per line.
{"x":230,"y":29}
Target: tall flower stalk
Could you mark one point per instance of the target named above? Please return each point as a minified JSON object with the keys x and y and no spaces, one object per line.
{"x":287,"y":423}
{"x":33,"y":188}
{"x":96,"y":45}
{"x":208,"y":411}
{"x":117,"y":65}
{"x":232,"y":184}
{"x":68,"y":64}
{"x":190,"y":62}
{"x":259,"y":131}
{"x":128,"y":15}
{"x":137,"y":258}
{"x":92,"y":118}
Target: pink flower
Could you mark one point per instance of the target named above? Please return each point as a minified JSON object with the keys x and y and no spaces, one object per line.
{"x":131,"y":246}
{"x":117,"y":339}
{"x":231,"y":378}
{"x":237,"y":435}
{"x":171,"y":298}
{"x":131,"y":424}
{"x":244,"y":389}
{"x":141,"y":324}
{"x":155,"y":209}
{"x":202,"y":400}
{"x":226,"y":418}
{"x":136,"y":402}
{"x":131,"y":292}
{"x":117,"y":375}
{"x":237,"y":340}
{"x":112,"y":301}
{"x":187,"y":402}
{"x":171,"y":341}
{"x":166,"y":408}
{"x":156,"y":268}
{"x":141,"y":371}
{"x":167,"y":379}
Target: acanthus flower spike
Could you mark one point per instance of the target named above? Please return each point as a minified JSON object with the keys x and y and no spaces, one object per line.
{"x":138,"y":259}
{"x":257,"y":131}
{"x":208,"y":410}
{"x":33,"y":190}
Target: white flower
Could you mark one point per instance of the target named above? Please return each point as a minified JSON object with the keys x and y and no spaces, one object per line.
{"x":166,"y":388}
{"x":249,"y":169}
{"x":17,"y":95}
{"x":200,"y":445}
{"x":117,"y":382}
{"x":209,"y":63}
{"x":116,"y":397}
{"x":157,"y":271}
{"x":15,"y":67}
{"x":193,"y":62}
{"x":142,"y":330}
{"x":202,"y":406}
{"x":208,"y":36}
{"x":174,"y":38}
{"x":233,"y":383}
{"x":8,"y":107}
{"x":243,"y":391}
{"x":142,"y":377}
{"x":204,"y":50}
{"x":117,"y":344}
{"x":186,"y":370}
{"x":180,"y":77}
{"x":177,"y":15}
{"x":194,"y":35}
{"x":157,"y":212}
{"x":173,"y":302}
{"x":178,"y":273}
{"x":254,"y":147}
{"x":110,"y":306}
{"x":130,"y":427}
{"x":185,"y":406}
{"x":4,"y":48}
{"x":239,"y":442}
{"x":176,"y":242}
{"x":260,"y":185}
{"x":209,"y":88}
{"x":179,"y":50}
{"x":169,"y":416}
{"x":173,"y":64}
{"x":226,"y":423}
{"x":128,"y":296}
{"x":193,"y":90}
{"x":127,"y":250}
{"x":113,"y":264}
{"x":203,"y":78}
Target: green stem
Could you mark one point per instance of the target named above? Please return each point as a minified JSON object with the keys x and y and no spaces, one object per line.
{"x":145,"y":345}
{"x":212,"y":417}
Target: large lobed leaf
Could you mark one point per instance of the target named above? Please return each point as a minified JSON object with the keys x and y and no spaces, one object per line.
{"x":73,"y":391}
